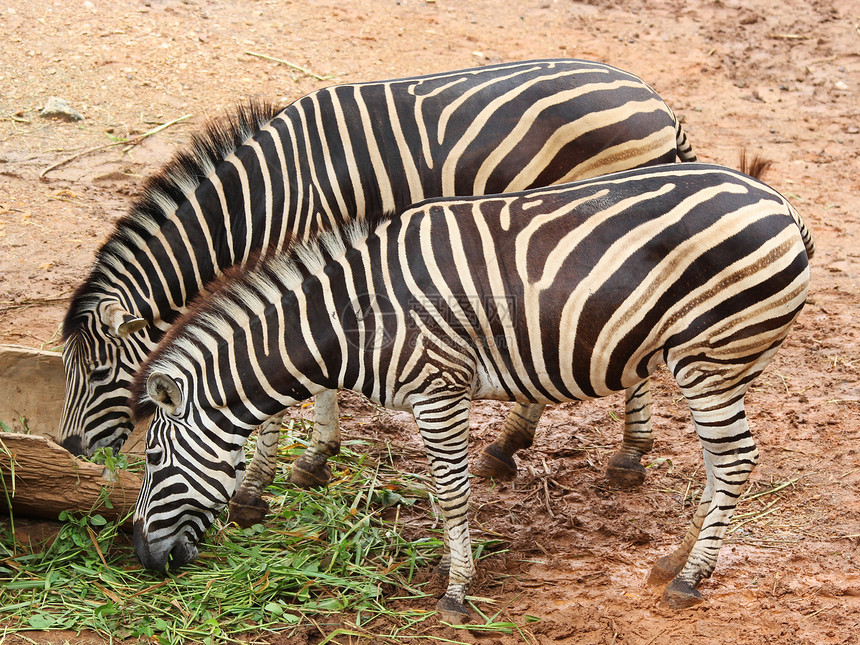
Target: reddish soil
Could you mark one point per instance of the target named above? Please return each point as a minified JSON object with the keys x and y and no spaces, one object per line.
{"x":781,"y":79}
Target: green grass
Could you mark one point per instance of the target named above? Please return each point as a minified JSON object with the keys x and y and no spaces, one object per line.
{"x":321,"y":555}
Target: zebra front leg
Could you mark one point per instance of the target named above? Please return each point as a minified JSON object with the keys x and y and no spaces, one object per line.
{"x":497,"y":459}
{"x":625,"y":469}
{"x":730,"y":456}
{"x":444,"y":427}
{"x":311,"y":469}
{"x":247,"y":507}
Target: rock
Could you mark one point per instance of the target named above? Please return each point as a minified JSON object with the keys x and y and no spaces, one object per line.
{"x":57,"y":108}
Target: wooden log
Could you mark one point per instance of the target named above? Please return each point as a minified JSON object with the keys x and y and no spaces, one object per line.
{"x":42,"y":479}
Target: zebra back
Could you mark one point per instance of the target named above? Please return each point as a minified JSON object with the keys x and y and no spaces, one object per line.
{"x":348,"y":151}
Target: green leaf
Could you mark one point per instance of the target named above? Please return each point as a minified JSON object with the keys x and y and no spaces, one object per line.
{"x":106,"y":609}
{"x":41,"y":621}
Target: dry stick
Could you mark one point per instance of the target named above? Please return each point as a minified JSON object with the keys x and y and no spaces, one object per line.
{"x":31,"y":302}
{"x":127,"y":142}
{"x":289,"y":64}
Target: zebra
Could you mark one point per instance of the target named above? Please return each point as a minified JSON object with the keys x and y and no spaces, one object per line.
{"x":554,"y":294}
{"x":266,"y":175}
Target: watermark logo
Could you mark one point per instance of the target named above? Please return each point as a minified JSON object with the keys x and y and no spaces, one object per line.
{"x":370,"y":320}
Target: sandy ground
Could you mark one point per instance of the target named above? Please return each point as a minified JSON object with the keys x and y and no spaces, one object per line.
{"x":781,"y":79}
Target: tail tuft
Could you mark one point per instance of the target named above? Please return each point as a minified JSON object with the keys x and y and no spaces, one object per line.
{"x":755,"y":167}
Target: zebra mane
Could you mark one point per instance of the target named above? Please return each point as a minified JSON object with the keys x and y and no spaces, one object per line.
{"x":226,"y":300}
{"x":162,"y":195}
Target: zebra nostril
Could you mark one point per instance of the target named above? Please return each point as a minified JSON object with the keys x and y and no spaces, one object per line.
{"x":116,"y":445}
{"x":74,"y":445}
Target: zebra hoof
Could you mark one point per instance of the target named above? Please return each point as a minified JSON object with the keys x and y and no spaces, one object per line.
{"x":681,"y":594}
{"x":451,"y":611}
{"x":310,"y":475}
{"x":494,"y":463}
{"x":665,"y":569}
{"x":246,"y":511}
{"x":624,"y":472}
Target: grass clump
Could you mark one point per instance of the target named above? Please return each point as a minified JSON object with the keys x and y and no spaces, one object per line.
{"x":320,"y":553}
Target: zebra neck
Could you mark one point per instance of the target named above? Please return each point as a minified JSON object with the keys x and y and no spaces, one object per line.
{"x":283,"y":351}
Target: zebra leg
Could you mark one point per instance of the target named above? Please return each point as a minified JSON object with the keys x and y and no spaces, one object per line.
{"x":669,"y":566}
{"x":625,"y":469}
{"x":311,"y":469}
{"x":497,"y":459}
{"x":444,"y":427}
{"x":247,"y":507}
{"x":730,"y":455}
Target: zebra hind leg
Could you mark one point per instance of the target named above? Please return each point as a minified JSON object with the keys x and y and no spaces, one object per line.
{"x":625,"y":469}
{"x":497,"y":459}
{"x":247,"y":507}
{"x":730,"y":456}
{"x":311,"y":469}
{"x":669,"y":566}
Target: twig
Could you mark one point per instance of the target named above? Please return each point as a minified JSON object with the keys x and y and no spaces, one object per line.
{"x":129,"y":143}
{"x":546,"y":493}
{"x":775,"y":489}
{"x":755,"y":517}
{"x":815,"y":613}
{"x":289,"y":64}
{"x":31,"y":302}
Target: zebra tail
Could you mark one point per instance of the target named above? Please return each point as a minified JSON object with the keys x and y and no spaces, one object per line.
{"x":755,"y":168}
{"x":682,"y":144}
{"x":805,"y":233}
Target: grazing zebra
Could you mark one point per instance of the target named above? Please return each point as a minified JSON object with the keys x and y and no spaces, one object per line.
{"x":341,"y":153}
{"x":555,"y":294}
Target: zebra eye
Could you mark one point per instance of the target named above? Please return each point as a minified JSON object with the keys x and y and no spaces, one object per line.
{"x":100,"y":373}
{"x":153,"y":457}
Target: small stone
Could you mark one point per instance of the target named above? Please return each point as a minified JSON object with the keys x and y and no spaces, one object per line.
{"x":840,"y":85}
{"x":57,"y":108}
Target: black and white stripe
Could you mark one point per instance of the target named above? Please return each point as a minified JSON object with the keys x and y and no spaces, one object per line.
{"x":555,"y":294}
{"x":267,"y":176}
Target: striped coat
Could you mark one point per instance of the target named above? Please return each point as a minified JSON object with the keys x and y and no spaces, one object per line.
{"x":556,"y":294}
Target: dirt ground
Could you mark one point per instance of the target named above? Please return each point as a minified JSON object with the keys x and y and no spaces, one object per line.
{"x":779,"y":78}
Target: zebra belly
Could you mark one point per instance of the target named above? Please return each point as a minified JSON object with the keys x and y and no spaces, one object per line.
{"x":490,"y":384}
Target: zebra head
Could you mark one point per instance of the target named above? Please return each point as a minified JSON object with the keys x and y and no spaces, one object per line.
{"x":191,"y":474}
{"x":100,"y":357}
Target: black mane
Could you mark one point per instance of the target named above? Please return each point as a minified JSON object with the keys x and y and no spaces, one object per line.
{"x":177,"y":178}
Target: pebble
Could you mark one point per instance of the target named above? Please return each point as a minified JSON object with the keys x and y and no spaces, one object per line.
{"x":57,"y":108}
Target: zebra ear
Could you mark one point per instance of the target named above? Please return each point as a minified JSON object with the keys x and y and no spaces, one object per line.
{"x":165,"y":391}
{"x":119,"y":321}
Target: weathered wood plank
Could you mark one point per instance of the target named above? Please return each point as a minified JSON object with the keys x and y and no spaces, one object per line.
{"x":32,"y":387}
{"x":43,"y":479}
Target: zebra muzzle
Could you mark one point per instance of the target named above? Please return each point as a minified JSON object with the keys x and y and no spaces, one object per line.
{"x":155,"y":556}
